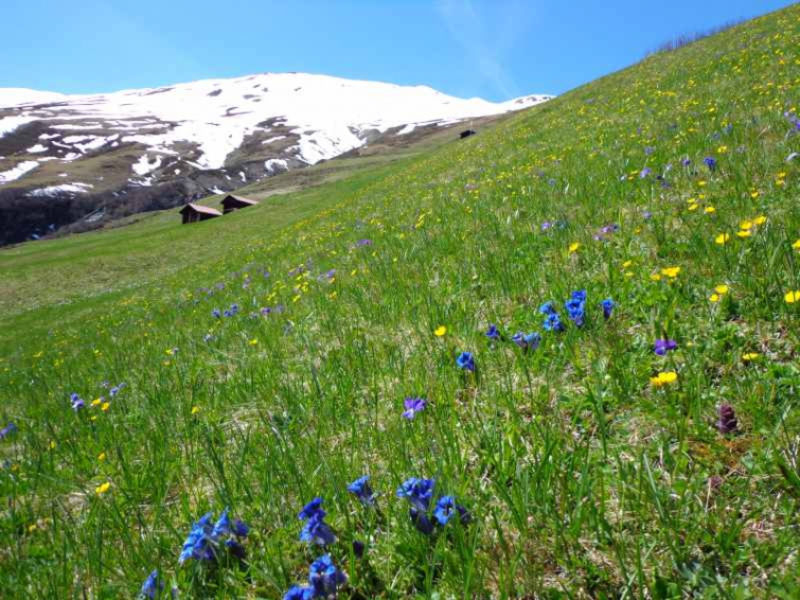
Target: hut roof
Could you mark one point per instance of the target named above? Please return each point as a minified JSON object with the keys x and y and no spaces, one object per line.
{"x":201,"y":209}
{"x":241,"y":199}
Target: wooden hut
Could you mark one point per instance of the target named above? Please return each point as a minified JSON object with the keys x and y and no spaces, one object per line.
{"x":231,"y":203}
{"x":192,"y":213}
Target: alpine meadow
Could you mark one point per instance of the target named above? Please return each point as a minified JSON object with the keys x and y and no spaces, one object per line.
{"x":556,"y":359}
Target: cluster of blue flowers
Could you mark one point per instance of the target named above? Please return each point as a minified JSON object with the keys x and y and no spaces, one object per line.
{"x":419,"y":493}
{"x":552,"y":322}
{"x":324,"y":578}
{"x":315,"y":530}
{"x":206,"y":540}
{"x":362,"y":490}
{"x":228,"y":312}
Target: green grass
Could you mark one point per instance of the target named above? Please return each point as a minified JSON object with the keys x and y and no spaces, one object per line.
{"x":582,"y":477}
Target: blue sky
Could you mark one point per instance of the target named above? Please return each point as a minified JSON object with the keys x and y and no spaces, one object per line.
{"x":496,"y":49}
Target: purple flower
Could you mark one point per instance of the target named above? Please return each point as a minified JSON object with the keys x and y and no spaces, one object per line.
{"x":7,"y":430}
{"x":465,"y":361}
{"x":686,"y":162}
{"x":358,"y":548}
{"x":77,"y":402}
{"x":265,"y":311}
{"x":647,"y":215}
{"x":710,"y":162}
{"x":727,"y":419}
{"x":527,"y":342}
{"x":421,"y":521}
{"x":546,"y":225}
{"x":645,"y":172}
{"x":364,"y":242}
{"x":648,"y":150}
{"x":661,"y":347}
{"x":413,"y":406}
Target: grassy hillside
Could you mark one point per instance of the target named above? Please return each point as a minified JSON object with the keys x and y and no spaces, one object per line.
{"x":585,"y":463}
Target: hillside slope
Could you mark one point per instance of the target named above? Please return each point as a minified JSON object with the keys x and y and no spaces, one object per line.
{"x":63,"y":157}
{"x":646,"y":447}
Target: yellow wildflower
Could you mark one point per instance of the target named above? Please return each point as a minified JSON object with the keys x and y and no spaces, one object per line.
{"x":744,"y":233}
{"x":101,"y":457}
{"x":792,"y":297}
{"x":664,"y":378}
{"x":573,"y":247}
{"x":105,"y":406}
{"x":671,"y":272}
{"x":722,"y":238}
{"x":750,"y":356}
{"x":714,"y":297}
{"x":440,"y":331}
{"x":760,"y":220}
{"x":796,"y":245}
{"x":721,"y":289}
{"x":102,"y":488}
{"x":195,"y":410}
{"x":709,"y":210}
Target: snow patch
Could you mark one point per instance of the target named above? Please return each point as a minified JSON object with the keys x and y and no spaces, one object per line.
{"x":73,"y":188}
{"x":13,"y":174}
{"x":37,"y":149}
{"x":143,"y":166}
{"x":9,"y":124}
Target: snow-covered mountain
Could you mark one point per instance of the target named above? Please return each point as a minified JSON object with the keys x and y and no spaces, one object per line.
{"x":209,"y":136}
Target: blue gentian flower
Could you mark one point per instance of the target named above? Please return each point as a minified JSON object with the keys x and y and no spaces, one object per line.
{"x":240,"y":528}
{"x":216,"y":313}
{"x":151,"y":586}
{"x":312,"y":509}
{"x":552,"y":322}
{"x":528,"y":341}
{"x":317,"y":531}
{"x":227,"y":313}
{"x":361,"y":488}
{"x":547,"y":308}
{"x":222,"y":526}
{"x":421,"y":521}
{"x":413,"y":406}
{"x":492,"y":333}
{"x":661,"y":347}
{"x":7,"y":430}
{"x":466,"y":361}
{"x":446,"y":507}
{"x":77,"y":402}
{"x":608,"y":307}
{"x":576,"y":306}
{"x":265,"y":311}
{"x":234,"y":308}
{"x":686,"y":162}
{"x":299,"y":593}
{"x":645,"y":172}
{"x":711,"y":163}
{"x":358,"y":548}
{"x":417,"y":491}
{"x":197,"y":542}
{"x":325,"y":577}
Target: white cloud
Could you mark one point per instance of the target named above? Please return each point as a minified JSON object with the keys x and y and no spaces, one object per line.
{"x":488,"y":36}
